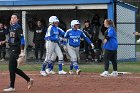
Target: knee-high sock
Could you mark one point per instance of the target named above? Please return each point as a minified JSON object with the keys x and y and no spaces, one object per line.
{"x":60,"y":64}
{"x":75,"y":65}
{"x":71,"y":66}
{"x":44,"y":66}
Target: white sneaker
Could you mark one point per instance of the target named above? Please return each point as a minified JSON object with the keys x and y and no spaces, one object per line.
{"x":114,"y":74}
{"x":50,"y":72}
{"x":70,"y":72}
{"x":2,"y":59}
{"x":105,"y":74}
{"x":62,"y":72}
{"x":43,"y":73}
{"x":30,"y":83}
{"x":63,"y":64}
{"x":9,"y":90}
{"x":78,"y":72}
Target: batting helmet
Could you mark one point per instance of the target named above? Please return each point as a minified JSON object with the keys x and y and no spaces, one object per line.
{"x":74,"y":22}
{"x":53,"y":19}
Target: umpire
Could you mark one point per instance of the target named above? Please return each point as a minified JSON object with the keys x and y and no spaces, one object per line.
{"x":38,"y":39}
{"x":16,"y":43}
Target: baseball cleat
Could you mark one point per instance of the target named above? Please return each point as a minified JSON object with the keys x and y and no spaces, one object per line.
{"x":43,"y":73}
{"x":105,"y":74}
{"x":114,"y":74}
{"x":62,"y":72}
{"x":78,"y":72}
{"x":30,"y":83}
{"x":10,"y":89}
{"x":71,"y":72}
{"x":50,"y":72}
{"x":47,"y":71}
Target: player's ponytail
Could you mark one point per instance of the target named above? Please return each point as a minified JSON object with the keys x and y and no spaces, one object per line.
{"x":110,"y":23}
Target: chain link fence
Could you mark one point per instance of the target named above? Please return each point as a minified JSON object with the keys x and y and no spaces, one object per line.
{"x":127,"y":24}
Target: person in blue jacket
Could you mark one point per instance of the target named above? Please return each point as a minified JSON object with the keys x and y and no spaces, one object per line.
{"x":73,"y":36}
{"x":110,"y":48}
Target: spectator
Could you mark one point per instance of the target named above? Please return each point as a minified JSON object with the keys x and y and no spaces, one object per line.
{"x":98,"y":49}
{"x":103,"y":28}
{"x":3,"y":33}
{"x":38,"y":40}
{"x":96,"y":23}
{"x":88,"y":30}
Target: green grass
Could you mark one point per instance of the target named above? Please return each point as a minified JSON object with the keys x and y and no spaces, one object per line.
{"x":138,"y":48}
{"x":92,"y":67}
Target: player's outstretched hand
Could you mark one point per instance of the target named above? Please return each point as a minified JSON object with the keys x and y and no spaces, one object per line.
{"x":65,"y":48}
{"x":92,"y":46}
{"x":136,"y":33}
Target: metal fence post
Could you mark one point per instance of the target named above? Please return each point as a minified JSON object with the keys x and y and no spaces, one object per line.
{"x":24,"y":27}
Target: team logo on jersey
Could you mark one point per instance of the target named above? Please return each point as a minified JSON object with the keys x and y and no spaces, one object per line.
{"x":56,"y":33}
{"x":12,"y":34}
{"x":38,"y":31}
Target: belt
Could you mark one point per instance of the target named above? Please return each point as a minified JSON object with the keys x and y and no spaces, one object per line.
{"x":53,"y":41}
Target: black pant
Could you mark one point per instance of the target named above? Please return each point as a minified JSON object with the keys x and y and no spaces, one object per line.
{"x":110,"y":55}
{"x":13,"y":67}
{"x":2,"y":51}
{"x":39,"y":46}
{"x":86,"y":45}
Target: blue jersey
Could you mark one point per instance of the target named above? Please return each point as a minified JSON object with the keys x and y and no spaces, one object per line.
{"x":74,"y":37}
{"x":53,"y":33}
{"x":112,"y":43}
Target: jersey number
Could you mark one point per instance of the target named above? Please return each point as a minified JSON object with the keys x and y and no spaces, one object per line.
{"x":75,"y":40}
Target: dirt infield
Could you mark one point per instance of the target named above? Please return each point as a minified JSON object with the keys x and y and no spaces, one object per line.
{"x":84,"y":83}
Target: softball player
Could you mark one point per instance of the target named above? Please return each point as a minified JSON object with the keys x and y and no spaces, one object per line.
{"x":16,"y":43}
{"x":73,"y":35}
{"x":52,"y":38}
{"x":110,"y":48}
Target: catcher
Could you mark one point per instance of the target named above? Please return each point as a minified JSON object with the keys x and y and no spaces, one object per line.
{"x":16,"y":43}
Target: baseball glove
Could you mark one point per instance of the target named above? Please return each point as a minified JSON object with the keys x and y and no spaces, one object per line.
{"x":21,"y":59}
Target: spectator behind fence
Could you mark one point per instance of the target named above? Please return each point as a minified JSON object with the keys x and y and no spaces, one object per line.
{"x":88,"y":30}
{"x":110,"y":48}
{"x":3,"y":33}
{"x":98,"y":49}
{"x":96,"y":23}
{"x":103,"y":28}
{"x":38,"y":40}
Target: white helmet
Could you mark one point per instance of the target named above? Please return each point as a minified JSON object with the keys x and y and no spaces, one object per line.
{"x":74,"y":22}
{"x":53,"y":19}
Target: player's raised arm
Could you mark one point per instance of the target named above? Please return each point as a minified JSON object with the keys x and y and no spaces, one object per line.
{"x":87,"y":39}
